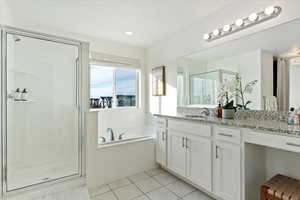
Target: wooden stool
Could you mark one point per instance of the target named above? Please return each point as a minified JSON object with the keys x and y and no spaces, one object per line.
{"x":281,"y":188}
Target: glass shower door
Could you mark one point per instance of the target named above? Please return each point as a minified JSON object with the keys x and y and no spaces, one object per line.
{"x":42,"y":117}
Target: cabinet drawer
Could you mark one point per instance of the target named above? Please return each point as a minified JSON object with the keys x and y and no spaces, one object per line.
{"x":271,"y":140}
{"x":160,"y":123}
{"x":190,"y":127}
{"x":228,"y":134}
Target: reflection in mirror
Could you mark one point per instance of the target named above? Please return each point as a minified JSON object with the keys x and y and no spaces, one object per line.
{"x":272,"y":57}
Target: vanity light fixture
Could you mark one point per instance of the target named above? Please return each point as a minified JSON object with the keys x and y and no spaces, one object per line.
{"x":227,"y":28}
{"x":239,"y":22}
{"x":216,"y":32}
{"x":270,"y":10}
{"x":206,"y":36}
{"x":254,"y":18}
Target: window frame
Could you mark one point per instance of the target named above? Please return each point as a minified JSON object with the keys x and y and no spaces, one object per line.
{"x":137,"y":84}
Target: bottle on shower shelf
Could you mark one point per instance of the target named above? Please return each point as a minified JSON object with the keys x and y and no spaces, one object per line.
{"x":24,"y":96}
{"x":17,"y":96}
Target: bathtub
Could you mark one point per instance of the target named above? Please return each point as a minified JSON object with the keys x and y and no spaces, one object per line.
{"x":125,"y":140}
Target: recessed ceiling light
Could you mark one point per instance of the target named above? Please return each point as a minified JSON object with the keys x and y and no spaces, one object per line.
{"x":129,"y":33}
{"x":253,"y":17}
{"x":270,"y":10}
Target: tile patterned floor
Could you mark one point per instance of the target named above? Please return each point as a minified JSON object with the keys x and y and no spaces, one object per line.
{"x":155,"y":184}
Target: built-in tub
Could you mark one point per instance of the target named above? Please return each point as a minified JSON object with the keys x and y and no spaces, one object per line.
{"x":125,"y":140}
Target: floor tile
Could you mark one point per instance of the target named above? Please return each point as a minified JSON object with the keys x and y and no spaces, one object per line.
{"x":181,"y":188}
{"x":142,"y":198}
{"x":165,"y":178}
{"x":138,"y":177}
{"x":197,"y":195}
{"x":162,"y":194}
{"x":105,"y":196}
{"x":98,"y":190}
{"x":148,"y":185}
{"x":119,"y":183}
{"x":128,"y":192}
{"x":155,"y":171}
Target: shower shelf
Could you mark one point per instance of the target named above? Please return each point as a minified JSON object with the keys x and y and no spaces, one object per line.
{"x":24,"y":73}
{"x":29,"y":101}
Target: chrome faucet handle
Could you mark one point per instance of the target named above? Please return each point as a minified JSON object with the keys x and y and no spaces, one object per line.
{"x":121,"y":136}
{"x":103,"y":139}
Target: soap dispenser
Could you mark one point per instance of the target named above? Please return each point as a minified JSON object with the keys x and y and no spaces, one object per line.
{"x":24,"y":95}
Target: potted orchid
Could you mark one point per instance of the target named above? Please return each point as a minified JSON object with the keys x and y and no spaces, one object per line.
{"x":226,"y":98}
{"x":234,"y":89}
{"x":241,"y":93}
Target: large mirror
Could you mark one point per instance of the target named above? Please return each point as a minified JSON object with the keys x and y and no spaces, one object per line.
{"x":260,"y":71}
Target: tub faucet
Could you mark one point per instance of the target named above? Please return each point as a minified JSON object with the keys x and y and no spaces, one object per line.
{"x":121,"y":136}
{"x":111,"y":132}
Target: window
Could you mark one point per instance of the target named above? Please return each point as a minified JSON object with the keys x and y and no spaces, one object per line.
{"x":113,"y":87}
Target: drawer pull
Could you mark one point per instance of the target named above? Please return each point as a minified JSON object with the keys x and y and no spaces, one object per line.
{"x":226,"y":135}
{"x":293,"y":144}
{"x":183,"y":142}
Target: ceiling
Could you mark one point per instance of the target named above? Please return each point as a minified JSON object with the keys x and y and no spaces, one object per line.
{"x":149,"y":20}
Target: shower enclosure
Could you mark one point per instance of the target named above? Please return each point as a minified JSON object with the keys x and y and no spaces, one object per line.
{"x":42,"y":108}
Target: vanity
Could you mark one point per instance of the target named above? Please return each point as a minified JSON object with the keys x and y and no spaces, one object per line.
{"x":225,"y":158}
{"x":230,"y":159}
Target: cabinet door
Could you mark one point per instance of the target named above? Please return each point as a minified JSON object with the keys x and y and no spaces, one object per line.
{"x":227,"y":171}
{"x":199,"y":161}
{"x":161,"y":147}
{"x":176,"y":152}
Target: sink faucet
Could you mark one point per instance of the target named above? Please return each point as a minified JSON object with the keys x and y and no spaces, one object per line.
{"x":205,"y":111}
{"x":111,"y":132}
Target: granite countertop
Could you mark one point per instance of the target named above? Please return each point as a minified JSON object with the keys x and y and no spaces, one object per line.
{"x":271,"y":126}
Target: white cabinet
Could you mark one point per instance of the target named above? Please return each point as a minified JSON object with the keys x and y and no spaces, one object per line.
{"x":227,"y":170}
{"x":161,"y":142}
{"x":199,"y":161}
{"x":190,"y":157}
{"x":177,"y":152}
{"x":161,"y":147}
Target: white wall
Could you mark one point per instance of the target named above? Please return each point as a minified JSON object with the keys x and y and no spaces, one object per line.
{"x":189,"y":40}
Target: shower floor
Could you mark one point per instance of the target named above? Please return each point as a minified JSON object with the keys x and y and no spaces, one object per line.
{"x":20,"y":177}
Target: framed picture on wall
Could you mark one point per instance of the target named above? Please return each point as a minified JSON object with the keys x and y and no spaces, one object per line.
{"x":159,"y":81}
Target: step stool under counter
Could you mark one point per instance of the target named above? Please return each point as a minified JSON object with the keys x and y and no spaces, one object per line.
{"x":228,"y":159}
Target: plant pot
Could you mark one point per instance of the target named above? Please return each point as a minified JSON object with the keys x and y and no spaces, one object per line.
{"x":228,"y":113}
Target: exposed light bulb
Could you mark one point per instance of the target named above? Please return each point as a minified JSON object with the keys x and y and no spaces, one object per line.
{"x":239,"y":22}
{"x":129,"y":33}
{"x":253,"y":17}
{"x":227,"y":28}
{"x":270,"y":10}
{"x":206,"y":36}
{"x":216,"y":32}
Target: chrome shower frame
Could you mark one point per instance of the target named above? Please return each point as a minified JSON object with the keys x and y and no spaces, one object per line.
{"x":82,"y":96}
